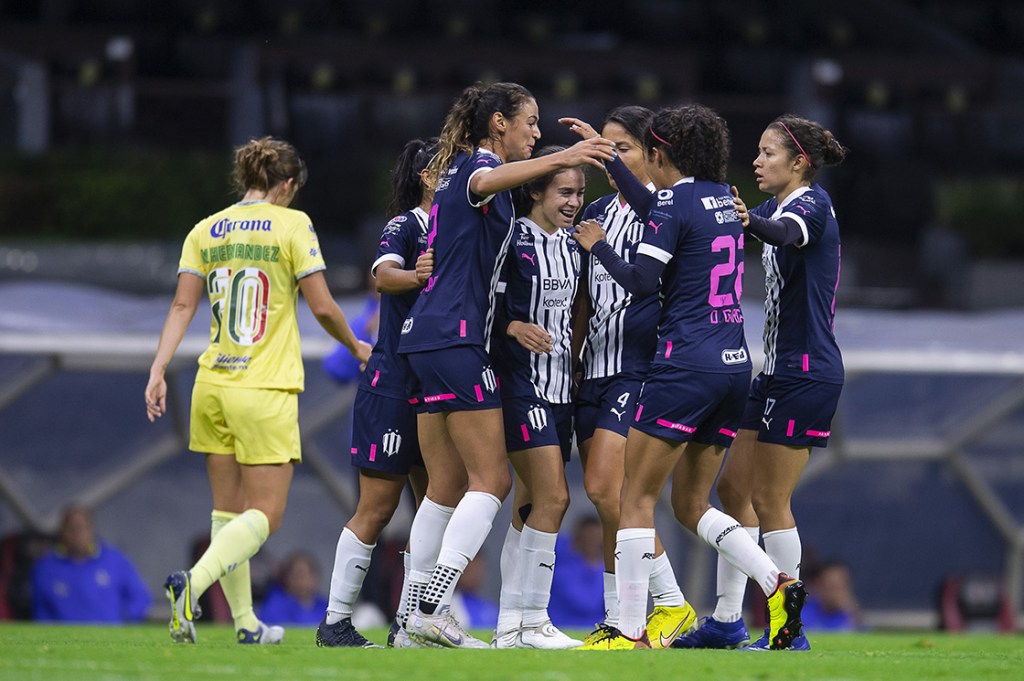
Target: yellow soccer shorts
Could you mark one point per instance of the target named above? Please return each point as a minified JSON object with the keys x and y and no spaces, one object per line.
{"x":257,"y":426}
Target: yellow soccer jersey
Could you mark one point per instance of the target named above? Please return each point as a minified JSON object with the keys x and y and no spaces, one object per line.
{"x":251,"y":256}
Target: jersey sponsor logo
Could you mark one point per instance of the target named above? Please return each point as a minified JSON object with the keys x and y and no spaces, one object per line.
{"x":231,"y":362}
{"x":724,"y":216}
{"x":532,"y":259}
{"x":801,"y":209}
{"x":537,"y":417}
{"x":225,"y":226}
{"x":553,"y":284}
{"x":488,"y":379}
{"x":655,"y":226}
{"x":738,"y":356}
{"x":442,"y":184}
{"x":618,"y":413}
{"x":807,"y":198}
{"x":767,"y":422}
{"x":664,"y":197}
{"x":399,"y":218}
{"x":407,"y":325}
{"x":391,"y":442}
{"x":713,"y":202}
{"x":524,"y":240}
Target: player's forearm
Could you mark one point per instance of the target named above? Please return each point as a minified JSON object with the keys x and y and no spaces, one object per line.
{"x":178,"y":319}
{"x":637,"y":195}
{"x":775,"y":232}
{"x":510,"y":175}
{"x":640,"y":279}
{"x":394,"y":281}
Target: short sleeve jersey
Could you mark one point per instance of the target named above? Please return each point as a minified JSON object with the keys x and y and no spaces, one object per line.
{"x":622,"y":331}
{"x":693,"y":228}
{"x":541,"y":279}
{"x":801,"y":281}
{"x":401,"y":242}
{"x":469,"y":235}
{"x":251,"y":256}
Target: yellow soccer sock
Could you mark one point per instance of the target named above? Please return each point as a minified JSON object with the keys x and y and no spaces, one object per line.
{"x":235,"y":543}
{"x":237,"y":584}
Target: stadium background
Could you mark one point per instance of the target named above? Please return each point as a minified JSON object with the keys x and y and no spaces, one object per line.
{"x":116,"y":121}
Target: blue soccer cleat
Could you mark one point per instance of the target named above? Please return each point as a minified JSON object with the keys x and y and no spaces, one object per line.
{"x":711,"y":633}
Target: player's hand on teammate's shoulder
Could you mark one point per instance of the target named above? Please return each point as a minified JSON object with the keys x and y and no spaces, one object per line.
{"x":588,"y":233}
{"x":741,"y":207}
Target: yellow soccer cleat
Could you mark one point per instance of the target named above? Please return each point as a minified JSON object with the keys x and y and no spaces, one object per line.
{"x":666,"y":624}
{"x":784,"y":606}
{"x":611,"y":638}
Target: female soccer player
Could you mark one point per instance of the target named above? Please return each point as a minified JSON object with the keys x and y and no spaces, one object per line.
{"x":792,"y":402}
{"x":385,"y":447}
{"x":251,"y":258}
{"x":487,"y":138}
{"x":692,"y":396}
{"x":620,"y":339}
{"x":534,"y":359}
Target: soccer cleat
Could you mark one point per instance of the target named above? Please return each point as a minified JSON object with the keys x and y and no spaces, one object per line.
{"x":403,"y":640}
{"x":341,"y":634}
{"x":263,"y":635}
{"x":714,"y":634}
{"x":440,"y":629}
{"x":784,"y":606}
{"x":546,"y":637}
{"x":799,"y":644}
{"x":393,"y":632}
{"x":601,"y":632}
{"x":505,"y":639}
{"x":184,"y":607}
{"x":666,"y":624}
{"x":613,"y":639}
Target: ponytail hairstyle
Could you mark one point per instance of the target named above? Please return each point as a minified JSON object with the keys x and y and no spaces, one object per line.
{"x":469,"y":121}
{"x":636,"y":120}
{"x":694,"y":138}
{"x":809,"y":139}
{"x":406,"y":186}
{"x":523,"y":194}
{"x":265,"y":163}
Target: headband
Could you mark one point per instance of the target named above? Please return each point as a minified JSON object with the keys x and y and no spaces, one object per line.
{"x":793,"y":137}
{"x":665,"y":142}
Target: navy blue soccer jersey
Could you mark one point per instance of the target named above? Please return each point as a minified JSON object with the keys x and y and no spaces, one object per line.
{"x":401,"y":242}
{"x":693,"y":228}
{"x":622,"y":330}
{"x":469,"y":235}
{"x":801,"y":282}
{"x":541,"y":277}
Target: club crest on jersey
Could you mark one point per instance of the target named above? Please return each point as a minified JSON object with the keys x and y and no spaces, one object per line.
{"x":488,"y":379}
{"x":537,"y":417}
{"x":391,"y":442}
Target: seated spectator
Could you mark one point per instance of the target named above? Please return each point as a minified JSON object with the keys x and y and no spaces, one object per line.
{"x":830,"y":605}
{"x":469,"y":605}
{"x":577,"y":591}
{"x":296,"y":598}
{"x":19,"y":552}
{"x":86,"y":580}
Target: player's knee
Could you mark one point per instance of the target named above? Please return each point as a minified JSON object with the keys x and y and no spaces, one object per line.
{"x":732,"y":494}
{"x":604,"y":496}
{"x":688,"y":511}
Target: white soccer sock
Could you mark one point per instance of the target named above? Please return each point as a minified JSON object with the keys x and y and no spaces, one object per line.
{"x":611,"y":600}
{"x":465,"y":534}
{"x":510,"y":602}
{"x":425,"y":536}
{"x":783,"y":547}
{"x":351,"y":563}
{"x":537,"y":565}
{"x":719,"y":531}
{"x":732,"y":585}
{"x":403,"y":600}
{"x":663,"y":586}
{"x":634,"y":551}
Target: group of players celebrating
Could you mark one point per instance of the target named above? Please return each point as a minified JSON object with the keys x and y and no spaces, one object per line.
{"x":505,"y":328}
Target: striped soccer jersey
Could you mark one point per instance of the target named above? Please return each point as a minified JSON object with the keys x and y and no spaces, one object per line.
{"x":622,"y":332}
{"x":541,"y":277}
{"x":801,"y":282}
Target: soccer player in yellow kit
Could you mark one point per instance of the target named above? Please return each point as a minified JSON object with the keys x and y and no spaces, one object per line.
{"x":252,"y":259}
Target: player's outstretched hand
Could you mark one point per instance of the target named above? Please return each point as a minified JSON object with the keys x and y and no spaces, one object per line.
{"x":741,"y":208}
{"x":425,"y":266}
{"x":588,"y":233}
{"x":580,"y":127}
{"x":532,"y":337}
{"x":594,"y":151}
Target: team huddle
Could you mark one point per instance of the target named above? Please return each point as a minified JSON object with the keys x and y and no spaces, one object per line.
{"x":506,"y":329}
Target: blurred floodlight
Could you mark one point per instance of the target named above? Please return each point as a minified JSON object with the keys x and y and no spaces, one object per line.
{"x":120,"y":48}
{"x":827,"y":72}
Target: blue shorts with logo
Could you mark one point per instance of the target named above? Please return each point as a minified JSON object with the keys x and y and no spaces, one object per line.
{"x":683,"y":405}
{"x":384,"y":435}
{"x":791,"y":411}
{"x":454,"y":379}
{"x":532,"y":422}
{"x":607,"y":403}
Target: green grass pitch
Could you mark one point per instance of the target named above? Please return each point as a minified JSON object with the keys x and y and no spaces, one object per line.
{"x":30,"y":652}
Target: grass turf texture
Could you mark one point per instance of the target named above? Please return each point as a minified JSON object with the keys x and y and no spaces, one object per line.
{"x":83,"y":653}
